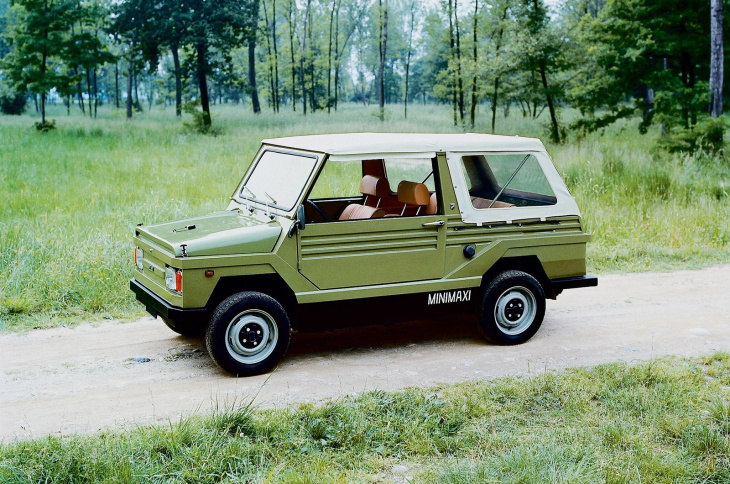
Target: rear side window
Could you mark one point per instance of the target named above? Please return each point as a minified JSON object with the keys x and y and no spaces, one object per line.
{"x":506,"y":180}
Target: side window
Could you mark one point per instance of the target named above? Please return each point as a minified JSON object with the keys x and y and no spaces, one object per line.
{"x":338,"y":179}
{"x":506,"y":180}
{"x":413,"y":170}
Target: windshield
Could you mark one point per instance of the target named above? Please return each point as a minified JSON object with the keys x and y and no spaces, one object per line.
{"x":278,"y":179}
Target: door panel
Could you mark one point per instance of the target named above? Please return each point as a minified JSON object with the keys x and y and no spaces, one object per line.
{"x":369,"y":252}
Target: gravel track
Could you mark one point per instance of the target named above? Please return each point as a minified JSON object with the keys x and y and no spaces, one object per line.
{"x":80,"y":380}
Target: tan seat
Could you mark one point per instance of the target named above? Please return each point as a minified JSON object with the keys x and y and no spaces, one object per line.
{"x":355,"y":211}
{"x":480,"y":203}
{"x":432,"y":208}
{"x":410,"y":193}
{"x":376,"y":187}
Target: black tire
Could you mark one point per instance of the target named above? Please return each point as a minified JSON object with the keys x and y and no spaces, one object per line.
{"x":512,"y":308}
{"x":248,"y":334}
{"x":186,"y":329}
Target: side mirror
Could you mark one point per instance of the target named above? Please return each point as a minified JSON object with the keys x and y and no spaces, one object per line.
{"x":299,"y":221}
{"x":301,"y":217}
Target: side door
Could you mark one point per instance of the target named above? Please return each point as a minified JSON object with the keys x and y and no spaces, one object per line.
{"x":386,"y":250}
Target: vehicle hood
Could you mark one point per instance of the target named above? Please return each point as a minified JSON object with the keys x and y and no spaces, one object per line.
{"x":218,"y":233}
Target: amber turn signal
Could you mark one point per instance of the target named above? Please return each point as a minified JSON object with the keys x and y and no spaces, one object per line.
{"x":209,"y":273}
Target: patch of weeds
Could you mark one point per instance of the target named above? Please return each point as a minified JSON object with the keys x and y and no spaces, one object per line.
{"x":183,"y":354}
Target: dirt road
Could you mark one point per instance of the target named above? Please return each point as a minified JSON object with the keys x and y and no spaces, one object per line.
{"x":63,"y":381}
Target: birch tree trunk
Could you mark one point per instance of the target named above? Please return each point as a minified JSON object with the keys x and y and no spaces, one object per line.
{"x":717,"y":55}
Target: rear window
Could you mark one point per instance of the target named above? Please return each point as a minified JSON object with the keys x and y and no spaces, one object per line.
{"x":506,"y":180}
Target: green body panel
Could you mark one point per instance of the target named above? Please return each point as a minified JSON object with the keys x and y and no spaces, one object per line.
{"x":370,"y":252}
{"x":348,"y":260}
{"x":218,"y":233}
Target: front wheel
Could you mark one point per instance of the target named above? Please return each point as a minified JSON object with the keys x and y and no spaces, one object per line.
{"x":248,"y":334}
{"x":512,"y":308}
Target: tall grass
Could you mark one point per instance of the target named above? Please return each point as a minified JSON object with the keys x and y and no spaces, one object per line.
{"x":661,"y":421}
{"x":70,"y":198}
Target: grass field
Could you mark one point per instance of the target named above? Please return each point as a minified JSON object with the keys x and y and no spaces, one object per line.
{"x":70,"y":198}
{"x":663,"y":421}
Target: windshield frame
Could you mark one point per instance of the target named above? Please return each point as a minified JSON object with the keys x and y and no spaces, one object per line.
{"x":261,"y":200}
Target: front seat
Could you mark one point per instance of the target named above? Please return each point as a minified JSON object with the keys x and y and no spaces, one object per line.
{"x":410,"y":193}
{"x":370,"y":186}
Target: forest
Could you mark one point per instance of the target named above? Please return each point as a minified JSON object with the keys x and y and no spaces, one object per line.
{"x":606,"y":59}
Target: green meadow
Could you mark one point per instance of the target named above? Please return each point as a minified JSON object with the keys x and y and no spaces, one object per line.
{"x":662,"y":421}
{"x":70,"y":198}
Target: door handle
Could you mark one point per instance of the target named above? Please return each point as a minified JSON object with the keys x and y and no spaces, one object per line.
{"x":437,"y":223}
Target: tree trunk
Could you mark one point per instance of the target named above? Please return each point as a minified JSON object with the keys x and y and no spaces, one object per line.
{"x":453,"y":61}
{"x":252,"y":77}
{"x":178,"y":79}
{"x":408,"y":57}
{"x":383,"y":45}
{"x":293,"y":63}
{"x":549,"y":97}
{"x":202,"y":70}
{"x":276,"y":56}
{"x":473,"y":106}
{"x":116,"y":84}
{"x":459,"y":79}
{"x":137,"y":105}
{"x":717,"y":55}
{"x":129,"y":91}
{"x":301,"y":58}
{"x":495,"y":92}
{"x":96,"y":95}
{"x":269,"y":59}
{"x":329,"y":59}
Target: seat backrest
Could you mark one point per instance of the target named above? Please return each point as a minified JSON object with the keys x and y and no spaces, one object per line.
{"x":410,"y":193}
{"x":355,"y":211}
{"x":432,"y":207}
{"x":374,"y":186}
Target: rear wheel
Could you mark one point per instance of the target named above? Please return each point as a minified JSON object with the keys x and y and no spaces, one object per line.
{"x":248,"y":334}
{"x":512,"y":308}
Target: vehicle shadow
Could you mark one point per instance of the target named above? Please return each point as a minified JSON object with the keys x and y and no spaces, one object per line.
{"x":344,"y":340}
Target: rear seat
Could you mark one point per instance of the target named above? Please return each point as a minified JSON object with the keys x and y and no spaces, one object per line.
{"x":410,"y":193}
{"x":481,"y":203}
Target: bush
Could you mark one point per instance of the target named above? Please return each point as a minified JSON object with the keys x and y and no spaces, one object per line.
{"x":198,"y":123}
{"x":707,"y":136}
{"x":12,"y":102}
{"x":44,"y":128}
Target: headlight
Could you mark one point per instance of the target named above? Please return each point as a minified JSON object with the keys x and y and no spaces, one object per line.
{"x":138,"y":258}
{"x":173,"y":279}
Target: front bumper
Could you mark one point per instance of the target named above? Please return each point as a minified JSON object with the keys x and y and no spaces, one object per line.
{"x":157,"y":306}
{"x":558,"y":285}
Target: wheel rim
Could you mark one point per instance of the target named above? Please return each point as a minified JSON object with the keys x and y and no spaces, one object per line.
{"x":515,"y":310}
{"x":251,"y":336}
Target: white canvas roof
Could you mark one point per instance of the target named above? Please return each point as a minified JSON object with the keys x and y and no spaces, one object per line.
{"x":348,"y":144}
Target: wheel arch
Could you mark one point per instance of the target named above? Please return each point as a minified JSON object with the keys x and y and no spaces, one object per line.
{"x":530,"y":264}
{"x":270,"y":284}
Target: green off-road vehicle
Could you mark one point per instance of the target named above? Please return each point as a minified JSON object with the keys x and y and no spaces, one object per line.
{"x":367,"y":228}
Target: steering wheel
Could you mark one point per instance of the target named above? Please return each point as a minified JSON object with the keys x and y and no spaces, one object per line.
{"x":319,"y":210}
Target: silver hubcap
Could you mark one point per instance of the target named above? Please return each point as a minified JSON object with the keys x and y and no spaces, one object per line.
{"x":251,"y":336}
{"x":515,"y":310}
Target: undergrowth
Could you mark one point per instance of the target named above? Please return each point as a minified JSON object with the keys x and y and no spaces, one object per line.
{"x":666,"y":420}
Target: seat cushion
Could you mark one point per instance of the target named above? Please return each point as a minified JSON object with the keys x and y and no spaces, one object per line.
{"x":355,"y":211}
{"x":479,"y":202}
